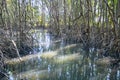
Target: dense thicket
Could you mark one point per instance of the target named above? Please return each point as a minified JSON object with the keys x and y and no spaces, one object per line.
{"x":95,"y":23}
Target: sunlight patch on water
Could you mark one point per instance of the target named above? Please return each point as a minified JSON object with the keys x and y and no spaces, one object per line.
{"x":35,"y":74}
{"x":49,"y":54}
{"x":28,"y":57}
{"x":67,"y":58}
{"x":32,"y":74}
{"x":103,"y":61}
{"x":70,"y":46}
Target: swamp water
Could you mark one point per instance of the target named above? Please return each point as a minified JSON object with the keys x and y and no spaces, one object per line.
{"x":57,"y":60}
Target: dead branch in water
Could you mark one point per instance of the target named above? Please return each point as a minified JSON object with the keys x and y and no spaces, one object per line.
{"x":16,"y":49}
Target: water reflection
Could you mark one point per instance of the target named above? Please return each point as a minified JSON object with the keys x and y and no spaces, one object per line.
{"x":42,"y":42}
{"x":60,"y":61}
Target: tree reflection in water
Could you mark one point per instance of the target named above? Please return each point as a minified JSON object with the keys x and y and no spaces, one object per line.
{"x":58,"y":62}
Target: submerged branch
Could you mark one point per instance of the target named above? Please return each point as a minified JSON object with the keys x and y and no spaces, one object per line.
{"x":16,"y":49}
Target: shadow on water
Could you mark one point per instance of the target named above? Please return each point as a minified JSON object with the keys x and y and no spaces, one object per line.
{"x":55,"y":60}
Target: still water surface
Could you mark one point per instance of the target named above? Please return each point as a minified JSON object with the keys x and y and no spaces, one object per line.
{"x":56,"y":60}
